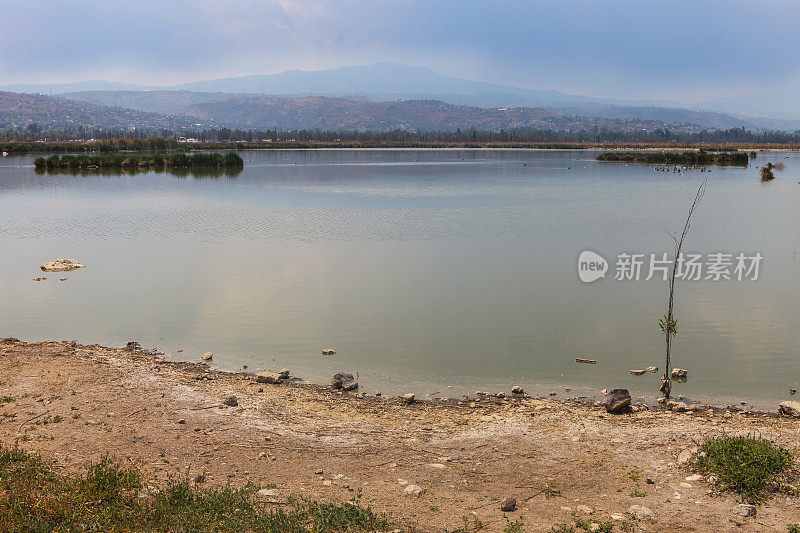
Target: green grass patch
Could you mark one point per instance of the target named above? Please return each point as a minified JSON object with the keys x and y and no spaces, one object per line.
{"x":749,"y":465}
{"x":107,"y":498}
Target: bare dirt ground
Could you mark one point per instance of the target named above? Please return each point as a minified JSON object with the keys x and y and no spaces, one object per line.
{"x":552,"y":456}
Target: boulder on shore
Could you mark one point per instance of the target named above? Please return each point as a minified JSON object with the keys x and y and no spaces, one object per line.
{"x":61,"y":265}
{"x":340,"y":378}
{"x":272,"y":378}
{"x":617,"y":401}
{"x":790,"y":408}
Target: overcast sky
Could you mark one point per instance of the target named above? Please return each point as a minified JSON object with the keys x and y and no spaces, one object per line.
{"x":673,"y":49}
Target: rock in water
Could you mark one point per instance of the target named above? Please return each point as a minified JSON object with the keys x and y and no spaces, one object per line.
{"x":617,"y":401}
{"x":790,"y":408}
{"x":652,"y":369}
{"x":637,"y":372}
{"x":328,"y":351}
{"x":508,"y":505}
{"x":268,"y":377}
{"x":516,"y":389}
{"x":679,"y":373}
{"x":284,"y":373}
{"x":340,"y":378}
{"x":61,"y":265}
{"x":208,"y":356}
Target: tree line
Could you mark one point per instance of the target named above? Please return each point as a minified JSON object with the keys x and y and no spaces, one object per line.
{"x":470,"y":135}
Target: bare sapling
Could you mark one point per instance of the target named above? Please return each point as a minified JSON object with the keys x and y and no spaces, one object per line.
{"x":668,"y":324}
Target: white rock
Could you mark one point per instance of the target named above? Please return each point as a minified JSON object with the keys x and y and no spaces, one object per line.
{"x":208,"y":356}
{"x":640,"y":512}
{"x":414,"y":489}
{"x":617,"y":517}
{"x":694,"y":477}
{"x":584,"y":509}
{"x":685,"y":456}
{"x":744,"y":509}
{"x":267,"y":494}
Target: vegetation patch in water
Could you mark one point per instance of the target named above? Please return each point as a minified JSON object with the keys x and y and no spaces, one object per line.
{"x":121,"y":161}
{"x":699,"y":157}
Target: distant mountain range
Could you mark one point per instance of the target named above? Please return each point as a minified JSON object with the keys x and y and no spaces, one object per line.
{"x":381,"y":82}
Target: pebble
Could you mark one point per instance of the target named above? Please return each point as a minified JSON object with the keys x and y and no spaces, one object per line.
{"x":685,"y":456}
{"x":744,"y":509}
{"x":617,"y":517}
{"x":516,"y":389}
{"x":639,"y":512}
{"x":584,"y":509}
{"x":413,"y":489}
{"x":650,"y":481}
{"x":694,"y":477}
{"x":508,"y":505}
{"x":652,"y":369}
{"x":639,"y":372}
{"x":262,"y":455}
{"x":686,"y":485}
{"x":409,"y":398}
{"x":181,"y":421}
{"x":268,"y":377}
{"x":267,"y":494}
{"x":208,"y":356}
{"x":328,"y":351}
{"x":230,"y":401}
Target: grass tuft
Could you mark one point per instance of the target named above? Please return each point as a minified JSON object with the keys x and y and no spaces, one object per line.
{"x":746,"y":465}
{"x":111,"y":497}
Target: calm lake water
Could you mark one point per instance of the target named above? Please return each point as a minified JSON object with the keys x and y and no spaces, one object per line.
{"x":443,"y":271}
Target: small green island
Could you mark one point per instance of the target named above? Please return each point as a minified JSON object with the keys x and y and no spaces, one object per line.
{"x":689,"y":157}
{"x":125,"y":161}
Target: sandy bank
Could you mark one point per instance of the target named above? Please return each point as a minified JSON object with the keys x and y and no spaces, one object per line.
{"x":552,"y":456}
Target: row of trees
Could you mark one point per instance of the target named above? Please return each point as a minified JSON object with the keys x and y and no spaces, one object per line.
{"x":521,"y":135}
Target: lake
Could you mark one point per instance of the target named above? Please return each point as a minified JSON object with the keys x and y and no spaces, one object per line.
{"x":438,"y":272}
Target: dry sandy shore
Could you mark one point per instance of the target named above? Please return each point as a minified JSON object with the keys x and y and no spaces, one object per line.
{"x":552,"y":456}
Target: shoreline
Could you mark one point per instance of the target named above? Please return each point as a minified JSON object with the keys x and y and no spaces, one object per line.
{"x":558,"y":458}
{"x":129,"y":146}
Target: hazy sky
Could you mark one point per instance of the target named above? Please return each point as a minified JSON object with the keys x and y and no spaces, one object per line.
{"x":675,"y":49}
